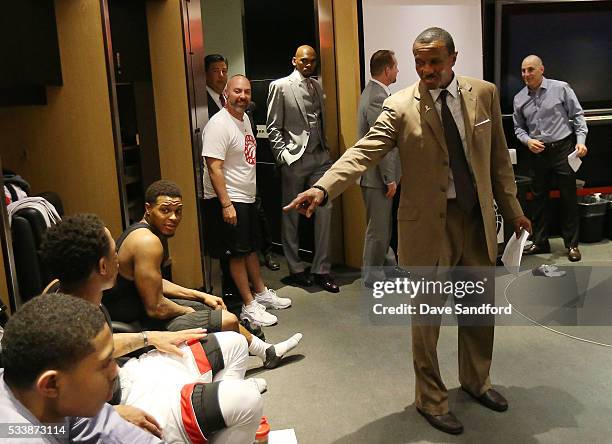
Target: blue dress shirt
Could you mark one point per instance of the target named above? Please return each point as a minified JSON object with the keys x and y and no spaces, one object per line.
{"x":548,"y":114}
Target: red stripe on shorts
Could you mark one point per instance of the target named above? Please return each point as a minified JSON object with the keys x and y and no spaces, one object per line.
{"x":192,"y":428}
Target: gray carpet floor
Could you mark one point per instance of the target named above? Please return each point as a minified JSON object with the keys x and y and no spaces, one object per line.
{"x":349,"y":382}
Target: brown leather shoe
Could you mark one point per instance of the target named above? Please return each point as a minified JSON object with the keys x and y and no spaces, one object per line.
{"x":447,"y":423}
{"x":491,"y":399}
{"x":326,"y":282}
{"x":574,"y":255}
{"x":536,"y":249}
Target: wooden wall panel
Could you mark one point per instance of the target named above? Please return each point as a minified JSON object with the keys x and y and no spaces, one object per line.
{"x":164,"y":20}
{"x":348,"y":91}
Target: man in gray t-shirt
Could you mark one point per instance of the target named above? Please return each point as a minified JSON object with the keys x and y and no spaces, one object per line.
{"x":57,"y":352}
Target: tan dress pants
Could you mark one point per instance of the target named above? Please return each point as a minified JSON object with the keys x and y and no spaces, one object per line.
{"x":464,"y":244}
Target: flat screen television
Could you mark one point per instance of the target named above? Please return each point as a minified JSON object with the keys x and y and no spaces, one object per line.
{"x":574,"y":40}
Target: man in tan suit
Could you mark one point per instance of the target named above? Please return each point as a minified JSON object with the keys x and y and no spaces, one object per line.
{"x":455,"y":162}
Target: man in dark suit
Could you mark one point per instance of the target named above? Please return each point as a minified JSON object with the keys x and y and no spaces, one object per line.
{"x":297,"y":138}
{"x":216,"y":78}
{"x":378,"y":184}
{"x":455,"y":163}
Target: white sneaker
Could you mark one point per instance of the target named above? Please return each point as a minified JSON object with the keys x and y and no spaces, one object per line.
{"x":269,"y":299}
{"x":257,"y":315}
{"x":260,"y":383}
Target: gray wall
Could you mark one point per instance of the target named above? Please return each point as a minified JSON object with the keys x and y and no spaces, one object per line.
{"x":222,"y":22}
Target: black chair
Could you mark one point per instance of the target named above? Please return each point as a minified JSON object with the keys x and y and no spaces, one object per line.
{"x":28,"y":228}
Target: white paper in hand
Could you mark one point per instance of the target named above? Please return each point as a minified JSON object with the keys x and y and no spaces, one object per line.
{"x":514,"y":252}
{"x":574,"y":161}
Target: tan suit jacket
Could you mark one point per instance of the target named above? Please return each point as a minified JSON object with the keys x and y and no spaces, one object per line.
{"x":410,"y":121}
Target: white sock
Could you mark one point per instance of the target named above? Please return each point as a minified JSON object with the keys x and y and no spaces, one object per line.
{"x":263,"y":292}
{"x":283,"y":347}
{"x":258,"y":347}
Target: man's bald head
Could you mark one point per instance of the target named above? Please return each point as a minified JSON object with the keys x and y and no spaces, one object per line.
{"x":237,"y":78}
{"x":534,"y":59}
{"x":305,"y":60}
{"x":532,"y":71}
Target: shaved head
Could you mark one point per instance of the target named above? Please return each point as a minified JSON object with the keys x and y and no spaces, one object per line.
{"x":236,"y":78}
{"x":304,"y":49}
{"x":305,"y":60}
{"x":533,"y":59}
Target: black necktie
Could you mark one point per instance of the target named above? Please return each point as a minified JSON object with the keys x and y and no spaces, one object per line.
{"x":464,"y":187}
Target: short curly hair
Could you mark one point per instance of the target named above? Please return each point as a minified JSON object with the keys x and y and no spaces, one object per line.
{"x":72,"y":249}
{"x":49,"y":332}
{"x":162,"y":188}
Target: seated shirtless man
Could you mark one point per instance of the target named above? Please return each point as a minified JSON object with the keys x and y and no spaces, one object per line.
{"x":143,"y":294}
{"x":188,"y":366}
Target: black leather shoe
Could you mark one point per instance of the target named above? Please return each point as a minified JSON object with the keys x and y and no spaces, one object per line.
{"x":326,"y":282}
{"x":536,"y":249}
{"x":447,"y":423}
{"x":491,"y":399}
{"x":270,"y":262}
{"x":302,"y":279}
{"x":574,"y":255}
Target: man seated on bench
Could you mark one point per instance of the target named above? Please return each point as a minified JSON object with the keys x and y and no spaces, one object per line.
{"x":81,"y":253}
{"x":58,"y":374}
{"x":143,"y":294}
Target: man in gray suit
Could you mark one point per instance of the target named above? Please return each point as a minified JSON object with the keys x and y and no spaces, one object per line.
{"x":378,"y":184}
{"x":295,"y":127}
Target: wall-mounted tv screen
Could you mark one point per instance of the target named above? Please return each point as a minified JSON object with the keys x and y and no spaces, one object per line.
{"x":573,"y":38}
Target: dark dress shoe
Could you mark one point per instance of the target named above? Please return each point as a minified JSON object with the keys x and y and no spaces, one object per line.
{"x":536,"y":249}
{"x":447,"y":423}
{"x":574,"y":255}
{"x":326,"y":282}
{"x":491,"y":399}
{"x":270,"y":262}
{"x":302,"y":279}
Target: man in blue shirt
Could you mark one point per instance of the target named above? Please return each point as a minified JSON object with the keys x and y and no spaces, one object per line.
{"x":549,"y":120}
